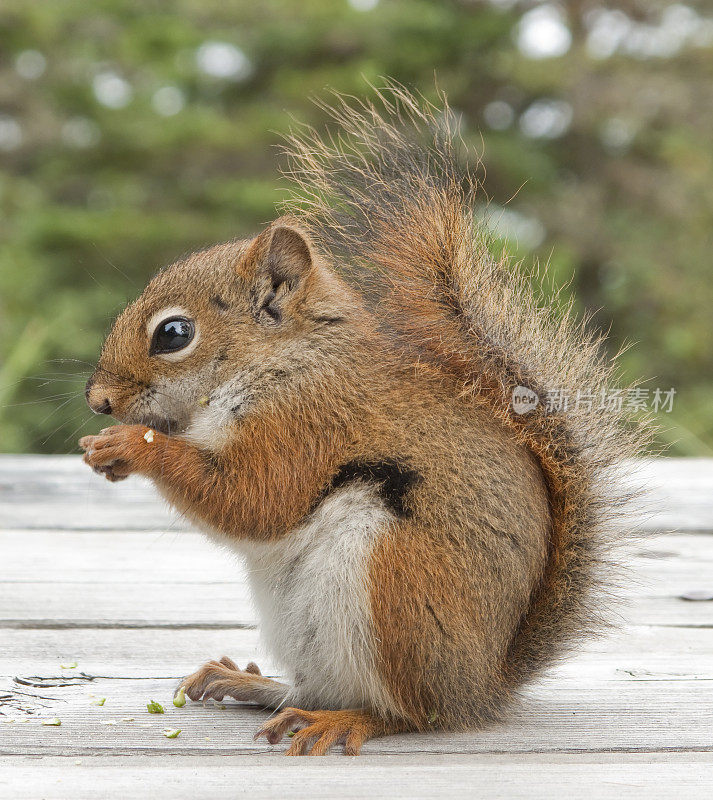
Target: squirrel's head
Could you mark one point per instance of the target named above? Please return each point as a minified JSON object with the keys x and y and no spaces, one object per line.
{"x":214,"y":330}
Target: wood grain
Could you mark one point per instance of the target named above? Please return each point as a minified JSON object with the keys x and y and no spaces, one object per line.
{"x":106,"y":576}
{"x":609,"y":776}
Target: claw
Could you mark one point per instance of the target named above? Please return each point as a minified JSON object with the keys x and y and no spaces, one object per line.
{"x":229,"y":663}
{"x":318,"y":731}
{"x":273,"y":730}
{"x":218,"y":679}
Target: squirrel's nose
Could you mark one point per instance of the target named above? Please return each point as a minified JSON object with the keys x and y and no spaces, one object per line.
{"x":103,"y":408}
{"x":98,"y":404}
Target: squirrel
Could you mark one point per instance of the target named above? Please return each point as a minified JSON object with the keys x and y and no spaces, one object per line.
{"x":336,"y":399}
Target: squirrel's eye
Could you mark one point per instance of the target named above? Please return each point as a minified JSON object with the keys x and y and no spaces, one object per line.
{"x":171,"y":335}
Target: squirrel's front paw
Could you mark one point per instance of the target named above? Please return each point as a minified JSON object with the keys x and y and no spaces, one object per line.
{"x":113,"y":451}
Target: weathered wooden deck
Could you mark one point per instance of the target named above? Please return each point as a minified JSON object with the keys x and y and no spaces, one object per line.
{"x":102,"y":575}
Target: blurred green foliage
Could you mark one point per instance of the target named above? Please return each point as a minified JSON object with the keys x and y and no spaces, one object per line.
{"x":132,"y":132}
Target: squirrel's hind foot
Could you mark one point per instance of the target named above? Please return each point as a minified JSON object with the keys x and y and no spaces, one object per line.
{"x":317,"y":731}
{"x":219,"y":679}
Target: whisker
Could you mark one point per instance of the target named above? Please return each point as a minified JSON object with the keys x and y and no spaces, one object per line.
{"x":126,"y":378}
{"x":50,"y":378}
{"x":67,"y":360}
{"x":75,"y":431}
{"x":52,"y":413}
{"x":70,"y":421}
{"x":100,"y":285}
{"x":50,"y":398}
{"x":112,"y":264}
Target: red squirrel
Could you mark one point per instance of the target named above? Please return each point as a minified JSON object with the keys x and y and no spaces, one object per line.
{"x":336,"y":399}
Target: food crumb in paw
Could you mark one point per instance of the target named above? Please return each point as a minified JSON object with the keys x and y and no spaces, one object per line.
{"x":180,"y":699}
{"x":154,"y":708}
{"x":148,"y":436}
{"x":171,"y":733}
{"x":204,"y":401}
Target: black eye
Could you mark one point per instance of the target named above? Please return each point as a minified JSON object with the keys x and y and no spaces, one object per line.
{"x":171,"y":335}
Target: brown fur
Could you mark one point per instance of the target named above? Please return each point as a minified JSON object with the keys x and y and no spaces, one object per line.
{"x":389,"y":194}
{"x":487,"y":574}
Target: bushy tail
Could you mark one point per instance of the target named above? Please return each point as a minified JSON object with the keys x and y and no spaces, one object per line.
{"x":389,"y":192}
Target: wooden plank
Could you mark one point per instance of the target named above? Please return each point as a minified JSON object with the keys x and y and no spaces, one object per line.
{"x":615,"y":694}
{"x":677,"y":493}
{"x":61,"y":492}
{"x":81,"y":605}
{"x":42,"y":604}
{"x":152,"y":515}
{"x":634,"y":653}
{"x":183,"y":579}
{"x":134,"y":653}
{"x":670,"y":564}
{"x":224,"y":605}
{"x":53,"y":491}
{"x":116,"y":557}
{"x":602,"y":716}
{"x":495,"y":777}
{"x":123,"y":556}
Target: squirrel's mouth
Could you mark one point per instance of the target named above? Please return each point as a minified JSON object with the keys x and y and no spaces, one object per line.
{"x":160,"y":424}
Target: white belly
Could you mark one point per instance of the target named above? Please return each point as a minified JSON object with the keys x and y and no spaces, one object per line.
{"x":312,"y":595}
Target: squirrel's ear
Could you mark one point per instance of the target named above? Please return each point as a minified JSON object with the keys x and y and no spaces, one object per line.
{"x":284,"y":260}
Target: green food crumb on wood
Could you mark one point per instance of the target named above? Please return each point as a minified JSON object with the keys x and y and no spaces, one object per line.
{"x":154,"y":707}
